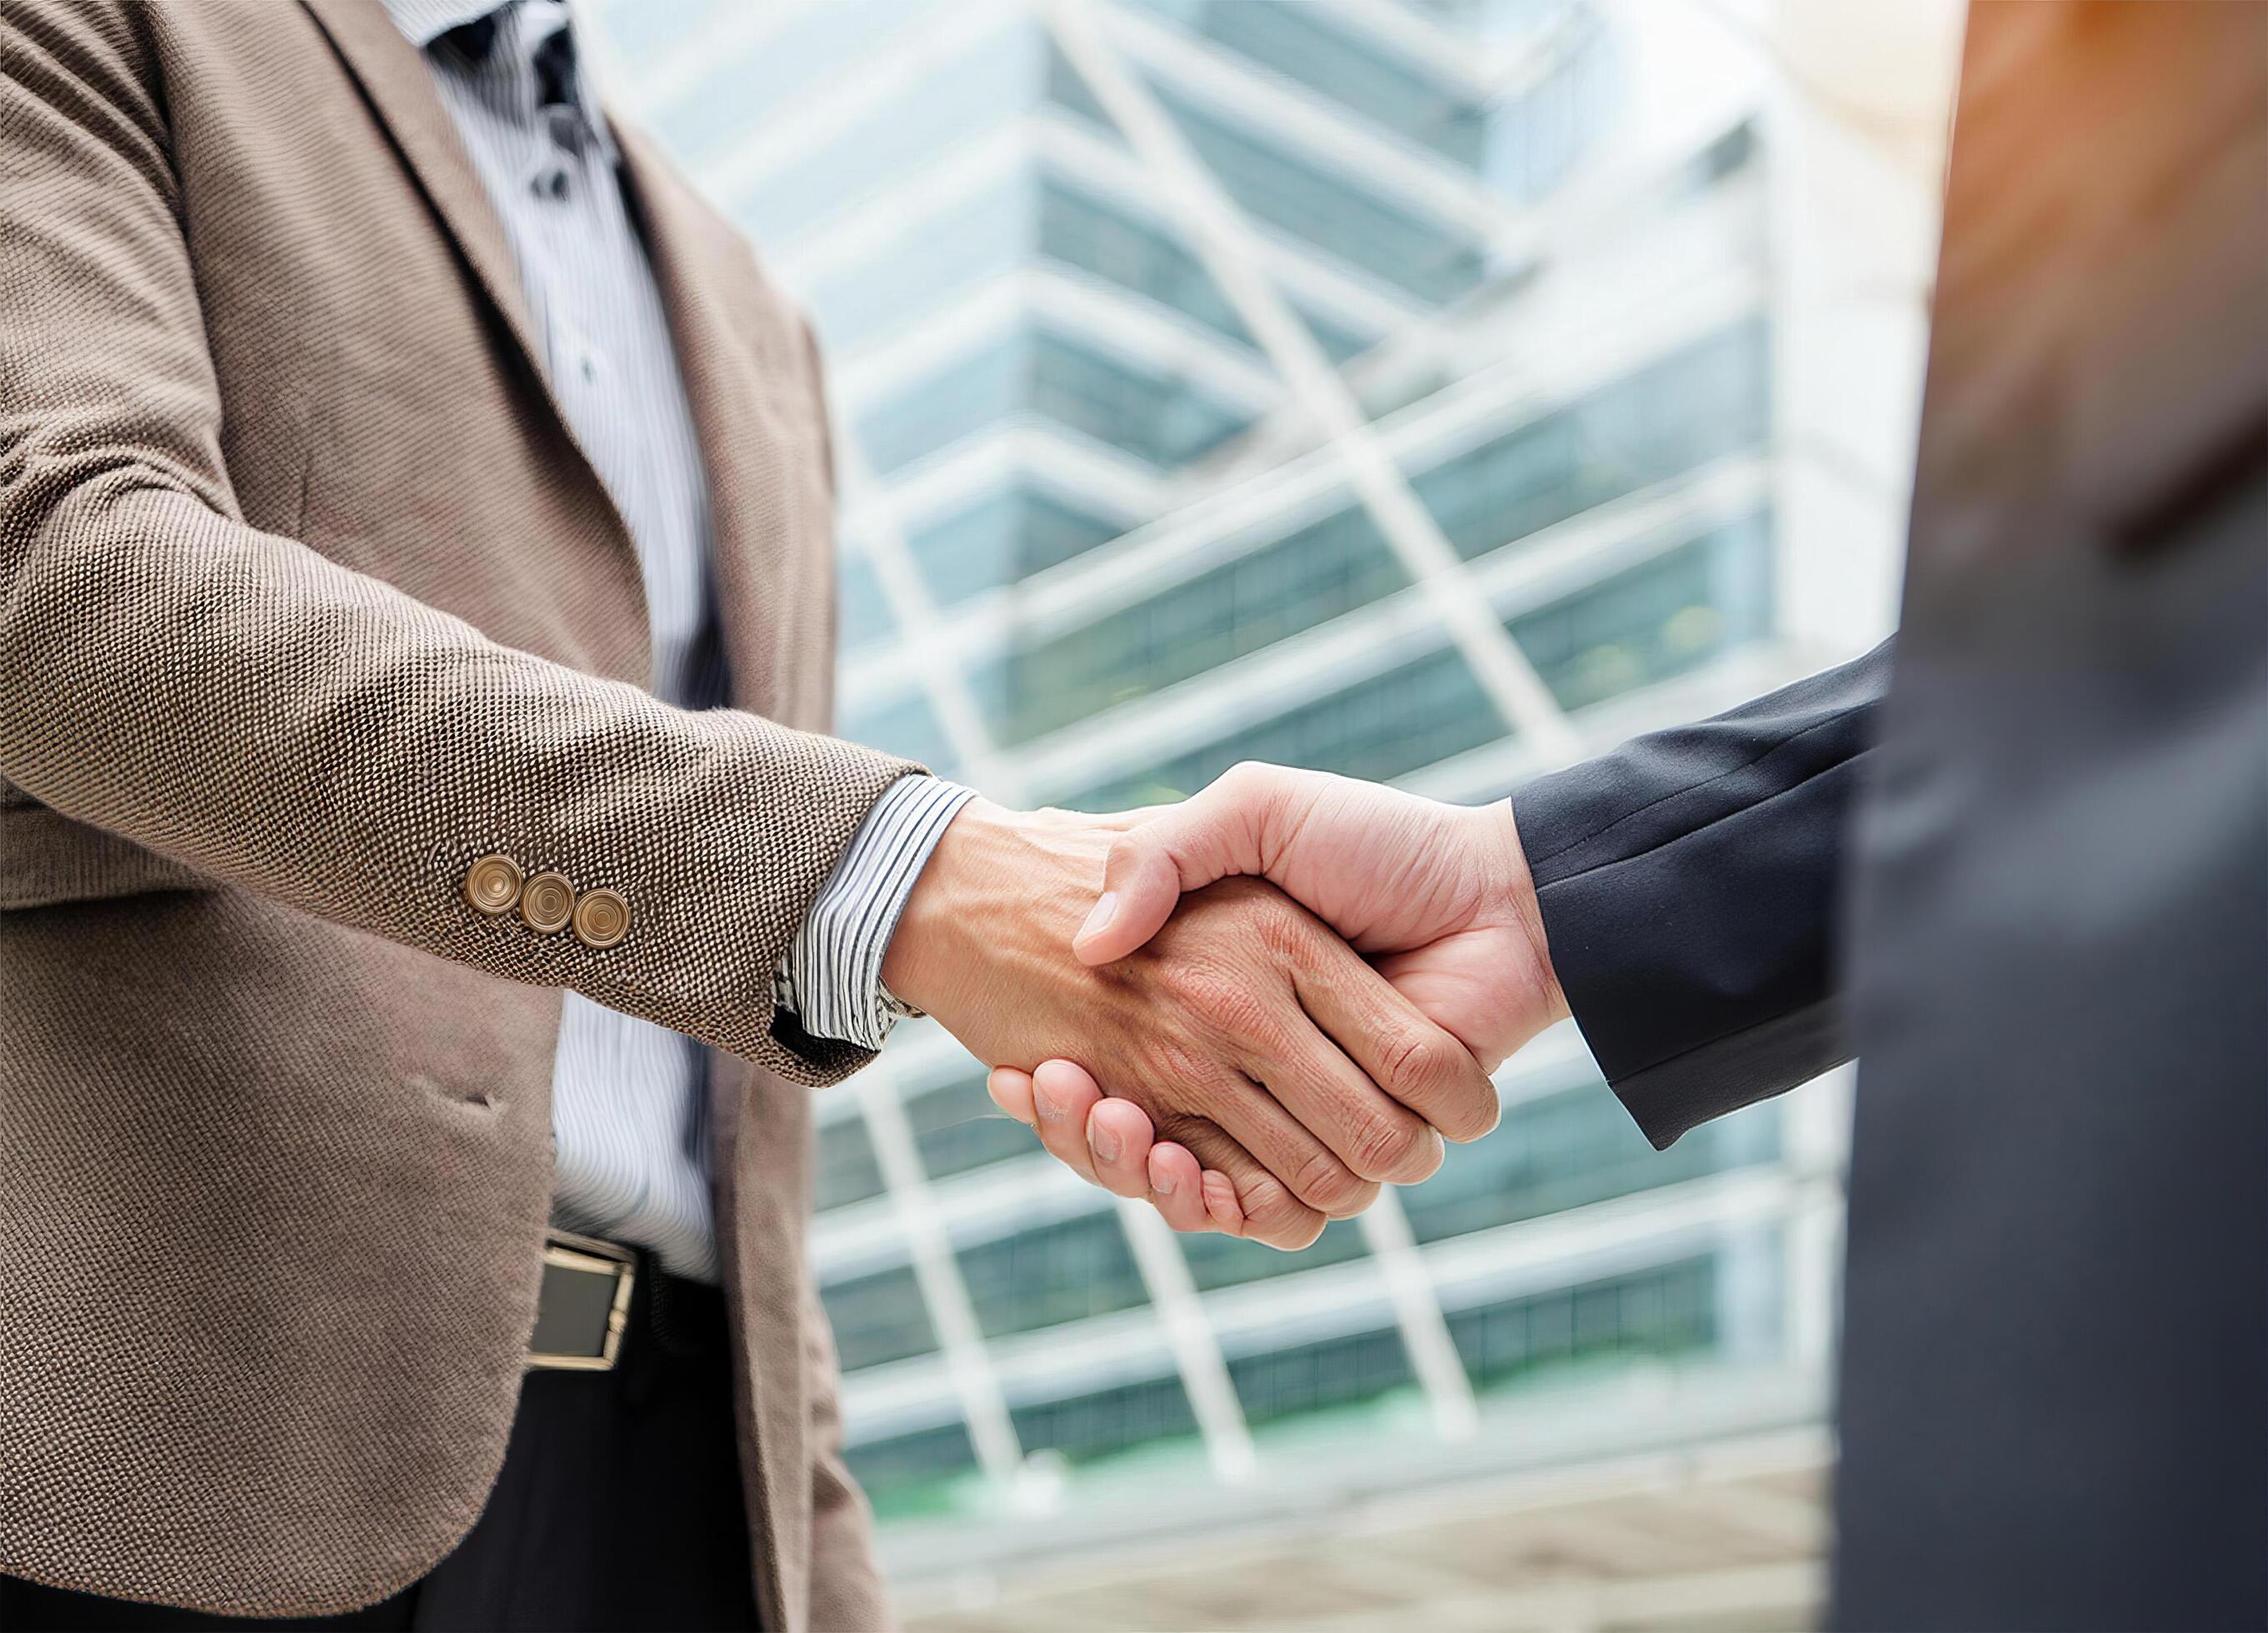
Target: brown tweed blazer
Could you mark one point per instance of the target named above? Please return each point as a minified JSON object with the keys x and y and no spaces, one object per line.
{"x":308,"y":599}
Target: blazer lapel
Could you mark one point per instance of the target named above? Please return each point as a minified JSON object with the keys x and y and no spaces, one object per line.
{"x":733,"y":360}
{"x":398,"y":84}
{"x":733,"y":364}
{"x":399,"y":87}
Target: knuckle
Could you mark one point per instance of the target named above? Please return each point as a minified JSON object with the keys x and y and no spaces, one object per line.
{"x":1274,"y":1217}
{"x":1267,"y":1205}
{"x":1191,"y":980}
{"x":1323,"y":1182}
{"x":1266,"y":1195}
{"x":1467,"y":1115}
{"x":1246,"y":777}
{"x":1282,"y":930}
{"x":1385,"y":1148}
{"x":1224,"y":1002}
{"x":1290,"y":1231}
{"x":1277,"y":1214}
{"x":1415,"y":1064}
{"x":1171,"y":1075}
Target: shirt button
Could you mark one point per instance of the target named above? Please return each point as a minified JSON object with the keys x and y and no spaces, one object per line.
{"x":580,"y":357}
{"x":546,"y":901}
{"x":602,"y":919}
{"x":492,"y":885}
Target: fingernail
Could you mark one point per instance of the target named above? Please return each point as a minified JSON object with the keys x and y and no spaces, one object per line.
{"x":1163,"y":1185}
{"x":1098,"y":918}
{"x":1045,"y":1104}
{"x":1106,"y":1144}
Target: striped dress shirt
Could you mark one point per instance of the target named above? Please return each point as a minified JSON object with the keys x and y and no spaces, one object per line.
{"x":630,"y":1110}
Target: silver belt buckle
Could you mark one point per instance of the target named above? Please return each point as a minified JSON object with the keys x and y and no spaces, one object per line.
{"x":582,"y":1305}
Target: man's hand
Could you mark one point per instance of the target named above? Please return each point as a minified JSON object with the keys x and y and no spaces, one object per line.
{"x":1437,"y":896}
{"x":1244,"y":1031}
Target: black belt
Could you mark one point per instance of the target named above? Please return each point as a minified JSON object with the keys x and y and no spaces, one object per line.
{"x":583,"y":1306}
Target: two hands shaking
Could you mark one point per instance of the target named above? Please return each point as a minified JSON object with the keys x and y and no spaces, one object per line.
{"x":1251,"y":1009}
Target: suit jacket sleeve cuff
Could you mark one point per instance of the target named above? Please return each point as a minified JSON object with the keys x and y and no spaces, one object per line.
{"x":830,"y":978}
{"x":1690,"y":885}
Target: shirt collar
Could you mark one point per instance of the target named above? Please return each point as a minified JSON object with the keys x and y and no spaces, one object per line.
{"x":425,"y":23}
{"x":422,"y":22}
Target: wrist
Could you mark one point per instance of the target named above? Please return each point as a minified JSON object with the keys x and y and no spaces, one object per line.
{"x":1513,"y":895}
{"x":999,"y":887}
{"x":915,"y":962}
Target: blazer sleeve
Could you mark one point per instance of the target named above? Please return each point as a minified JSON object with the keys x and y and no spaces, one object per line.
{"x":235,"y":701}
{"x":1690,"y":885}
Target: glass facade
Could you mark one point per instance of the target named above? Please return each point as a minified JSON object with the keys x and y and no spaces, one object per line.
{"x":1094,"y":506}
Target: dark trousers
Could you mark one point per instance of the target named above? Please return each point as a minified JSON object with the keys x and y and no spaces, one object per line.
{"x":619,"y":1505}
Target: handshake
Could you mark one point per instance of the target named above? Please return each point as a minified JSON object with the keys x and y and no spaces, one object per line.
{"x":1312,"y":1021}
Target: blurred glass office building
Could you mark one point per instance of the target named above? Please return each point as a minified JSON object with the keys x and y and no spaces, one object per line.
{"x":1413,"y":390}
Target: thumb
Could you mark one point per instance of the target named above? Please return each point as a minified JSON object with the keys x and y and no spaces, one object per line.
{"x":1209,"y":837}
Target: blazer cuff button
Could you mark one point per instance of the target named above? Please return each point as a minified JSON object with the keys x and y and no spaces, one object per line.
{"x":602,"y":919}
{"x":492,"y":885}
{"x":546,"y":901}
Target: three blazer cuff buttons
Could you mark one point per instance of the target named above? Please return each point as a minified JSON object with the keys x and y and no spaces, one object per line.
{"x":548,"y":903}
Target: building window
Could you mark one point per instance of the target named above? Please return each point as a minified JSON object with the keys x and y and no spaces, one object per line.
{"x":1071,"y":1269}
{"x":879,"y":1318}
{"x":1095,"y":1425}
{"x":1661,"y":1312}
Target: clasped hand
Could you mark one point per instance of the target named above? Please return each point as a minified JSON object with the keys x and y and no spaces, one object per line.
{"x":1284,"y":992}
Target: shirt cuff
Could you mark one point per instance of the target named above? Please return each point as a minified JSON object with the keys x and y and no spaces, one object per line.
{"x":831,"y":975}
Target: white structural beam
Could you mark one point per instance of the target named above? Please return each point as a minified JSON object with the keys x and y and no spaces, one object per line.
{"x":1142,"y":336}
{"x":1355,"y":296}
{"x":1420,"y":39}
{"x":1197,"y":1352}
{"x":915,"y":611}
{"x":1062,"y":147}
{"x":1418,"y":1314}
{"x":1077,"y":472}
{"x":936,"y":1273}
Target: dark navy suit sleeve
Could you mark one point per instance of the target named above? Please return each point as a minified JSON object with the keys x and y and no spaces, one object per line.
{"x":1690,"y":886}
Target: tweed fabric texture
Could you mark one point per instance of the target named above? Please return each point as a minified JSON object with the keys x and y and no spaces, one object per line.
{"x":308,"y":598}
